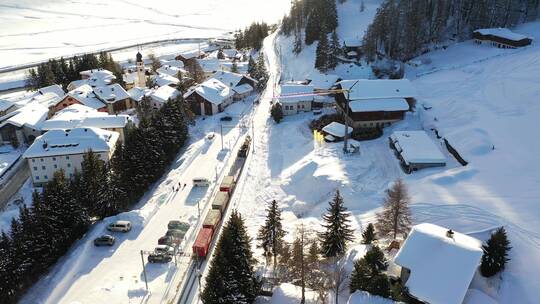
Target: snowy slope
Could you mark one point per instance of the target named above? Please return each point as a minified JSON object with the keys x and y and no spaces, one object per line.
{"x":37,"y":30}
{"x":485,"y":100}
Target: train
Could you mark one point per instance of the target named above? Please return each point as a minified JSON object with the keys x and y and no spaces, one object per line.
{"x":220,"y":203}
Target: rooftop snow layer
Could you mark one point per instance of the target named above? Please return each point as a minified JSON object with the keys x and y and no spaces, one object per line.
{"x":379,"y":88}
{"x":336,"y":129}
{"x":441,"y":267}
{"x":31,"y":115}
{"x":416,"y":147}
{"x":56,"y":89}
{"x":137,"y":93}
{"x":212,"y":90}
{"x":501,"y":32}
{"x":229,"y":78}
{"x":171,"y":70}
{"x":111,"y":93}
{"x":243,"y":88}
{"x":85,"y":94}
{"x":5,"y":104}
{"x":164,"y":93}
{"x":81,"y":116}
{"x":291,"y":93}
{"x":383,"y":104}
{"x":76,"y":141}
{"x":322,"y":81}
{"x":164,"y":80}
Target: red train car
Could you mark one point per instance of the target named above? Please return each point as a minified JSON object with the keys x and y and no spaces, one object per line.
{"x":204,"y":238}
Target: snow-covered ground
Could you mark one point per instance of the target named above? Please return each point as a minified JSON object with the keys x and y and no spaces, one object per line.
{"x":88,"y":274}
{"x":485,"y":104}
{"x":33,"y":31}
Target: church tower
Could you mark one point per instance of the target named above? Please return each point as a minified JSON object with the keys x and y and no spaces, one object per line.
{"x":141,"y":79}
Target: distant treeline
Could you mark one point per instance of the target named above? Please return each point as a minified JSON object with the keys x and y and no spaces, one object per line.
{"x":403,"y":29}
{"x":252,"y":37}
{"x":63,"y":212}
{"x":63,"y":71}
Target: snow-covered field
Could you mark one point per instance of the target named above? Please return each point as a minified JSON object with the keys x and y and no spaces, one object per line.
{"x":32,"y":30}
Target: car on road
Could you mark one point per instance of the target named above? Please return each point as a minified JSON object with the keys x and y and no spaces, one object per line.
{"x":104,"y":240}
{"x":120,"y":226}
{"x":164,"y":249}
{"x":226,"y":118}
{"x":167,"y":240}
{"x":159,"y":258}
{"x":176,"y":234}
{"x":178,"y":225}
{"x":211,"y":136}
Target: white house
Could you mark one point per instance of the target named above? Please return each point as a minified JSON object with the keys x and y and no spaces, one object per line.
{"x":161,"y":95}
{"x":438,"y":264}
{"x":165,"y":80}
{"x":416,"y":150}
{"x":171,"y":70}
{"x":242,"y":85}
{"x":210,"y":97}
{"x":296,"y":98}
{"x":64,"y":149}
{"x":24,"y":124}
{"x":93,"y":78}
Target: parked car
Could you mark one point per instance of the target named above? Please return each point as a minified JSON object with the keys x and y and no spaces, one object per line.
{"x":211,"y":136}
{"x":226,"y":118}
{"x":120,"y":226}
{"x":164,"y":249}
{"x":177,"y":234}
{"x":104,"y":240}
{"x":201,"y":182}
{"x":178,"y":225}
{"x":167,"y":240}
{"x":159,"y":258}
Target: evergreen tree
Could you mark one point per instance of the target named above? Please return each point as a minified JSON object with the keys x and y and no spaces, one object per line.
{"x":367,"y":273}
{"x":220,"y":54}
{"x":368,"y":235}
{"x":93,"y":175}
{"x":396,"y":216}
{"x":271,"y":234}
{"x":231,"y":278}
{"x":297,"y":48}
{"x":32,"y":80}
{"x":322,"y":52}
{"x":262,"y":73}
{"x":335,"y":51}
{"x":285,"y":255}
{"x":495,"y":253}
{"x":337,"y":229}
{"x":234,"y":67}
{"x":252,"y":68}
{"x":277,"y":112}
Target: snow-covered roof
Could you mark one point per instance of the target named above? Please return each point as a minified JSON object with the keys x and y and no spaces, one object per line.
{"x":130,"y":78}
{"x":291,"y":93}
{"x":441,"y":267}
{"x":322,"y":81}
{"x":352,"y":42}
{"x":287,"y":293}
{"x":243,"y":88}
{"x":31,"y":116}
{"x":174,"y":63}
{"x":336,"y":129}
{"x":46,"y":99}
{"x":230,"y":79}
{"x":93,"y":78}
{"x":171,"y":70}
{"x":137,"y":93}
{"x":230,"y":53}
{"x":378,"y":88}
{"x":501,"y":32}
{"x":5,"y":104}
{"x":190,"y":54}
{"x":85,"y":94}
{"x":105,"y":122}
{"x":375,"y":105}
{"x":76,"y":141}
{"x":416,"y":147}
{"x":227,"y":65}
{"x":78,"y":115}
{"x":164,"y":80}
{"x":209,"y":65}
{"x":111,"y":93}
{"x":56,"y":89}
{"x":164,"y":93}
{"x":97,"y":73}
{"x":363,"y":297}
{"x":212,"y":90}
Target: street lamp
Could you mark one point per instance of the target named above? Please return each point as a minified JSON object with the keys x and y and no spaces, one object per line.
{"x":346,"y":137}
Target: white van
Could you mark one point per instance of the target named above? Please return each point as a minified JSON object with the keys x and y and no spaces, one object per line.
{"x":201,"y":182}
{"x":120,"y":226}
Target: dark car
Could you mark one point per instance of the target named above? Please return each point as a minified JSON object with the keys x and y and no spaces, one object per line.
{"x":159,"y":258}
{"x":104,"y":240}
{"x":166,"y":240}
{"x":226,"y":118}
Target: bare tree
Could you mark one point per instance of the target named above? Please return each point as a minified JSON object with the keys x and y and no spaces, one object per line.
{"x":396,"y":217}
{"x":156,"y":64}
{"x":338,"y":276}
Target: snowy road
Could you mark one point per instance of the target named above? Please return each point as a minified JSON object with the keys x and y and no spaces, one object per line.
{"x":89,"y":275}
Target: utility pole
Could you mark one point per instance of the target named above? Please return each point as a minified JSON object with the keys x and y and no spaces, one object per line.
{"x":144,"y":270}
{"x":221,"y":128}
{"x":253,"y":135}
{"x":346,"y":137}
{"x":199,"y":208}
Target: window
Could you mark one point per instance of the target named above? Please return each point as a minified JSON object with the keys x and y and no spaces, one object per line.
{"x":33,"y":160}
{"x":67,"y":157}
{"x":45,"y":177}
{"x":54,"y":158}
{"x":69,"y":165}
{"x":41,"y":159}
{"x":35,"y":168}
{"x":42,"y":167}
{"x":55,"y":166}
{"x":37,"y":177}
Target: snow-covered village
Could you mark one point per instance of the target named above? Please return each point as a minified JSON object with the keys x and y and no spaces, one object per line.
{"x":269,"y":152}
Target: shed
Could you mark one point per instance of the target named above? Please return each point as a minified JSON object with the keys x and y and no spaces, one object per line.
{"x":221,"y":201}
{"x":438,"y":264}
{"x":416,"y":150}
{"x":501,"y":38}
{"x":336,"y":130}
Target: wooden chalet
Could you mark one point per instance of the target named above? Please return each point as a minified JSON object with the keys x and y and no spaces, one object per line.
{"x":501,"y":38}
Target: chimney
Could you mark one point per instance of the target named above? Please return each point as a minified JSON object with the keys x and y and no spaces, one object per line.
{"x":450,"y":234}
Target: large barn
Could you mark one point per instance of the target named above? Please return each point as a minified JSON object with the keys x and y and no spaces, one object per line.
{"x":501,"y":38}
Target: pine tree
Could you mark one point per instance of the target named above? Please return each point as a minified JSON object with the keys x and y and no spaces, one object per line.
{"x":396,"y":217}
{"x":495,"y":253}
{"x":368,"y":235}
{"x":337,"y":228}
{"x":220,"y":54}
{"x":93,"y":175}
{"x":367,"y":273}
{"x":322,"y":52}
{"x":234,"y":67}
{"x":277,"y":112}
{"x":297,"y":48}
{"x":262,"y":73}
{"x":252,"y":68}
{"x":335,"y":51}
{"x":271,"y":234}
{"x":231,"y":278}
{"x":285,"y":255}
